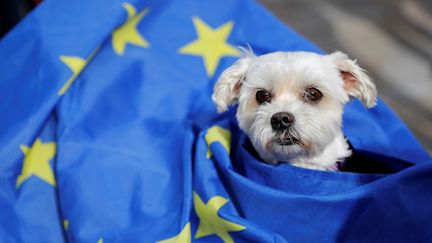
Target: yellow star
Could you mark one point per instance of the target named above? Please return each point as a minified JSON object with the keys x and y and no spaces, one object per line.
{"x":76,"y":65}
{"x":218,"y":134}
{"x":211,"y":44}
{"x":183,"y":237}
{"x":100,"y":240}
{"x":128,"y":32}
{"x":36,"y":162}
{"x":66,"y":224}
{"x":210,"y":222}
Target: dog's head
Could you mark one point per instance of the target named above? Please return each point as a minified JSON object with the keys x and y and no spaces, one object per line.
{"x":291,"y":103}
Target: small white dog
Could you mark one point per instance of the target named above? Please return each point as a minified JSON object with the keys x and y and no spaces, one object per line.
{"x":291,"y":104}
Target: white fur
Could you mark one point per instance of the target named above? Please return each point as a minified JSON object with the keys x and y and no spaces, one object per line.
{"x":286,"y":75}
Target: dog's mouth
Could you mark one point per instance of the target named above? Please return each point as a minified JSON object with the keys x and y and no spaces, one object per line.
{"x":287,"y":140}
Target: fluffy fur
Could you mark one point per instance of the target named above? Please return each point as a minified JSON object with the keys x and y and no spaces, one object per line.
{"x":319,"y":142}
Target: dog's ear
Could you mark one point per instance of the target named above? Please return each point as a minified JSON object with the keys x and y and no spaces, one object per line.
{"x":356,"y":82}
{"x":227,"y":88}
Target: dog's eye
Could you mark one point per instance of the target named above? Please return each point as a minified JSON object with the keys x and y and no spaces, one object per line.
{"x":313,"y":94}
{"x":263,"y":96}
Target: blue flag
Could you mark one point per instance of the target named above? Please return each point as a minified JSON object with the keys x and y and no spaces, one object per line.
{"x":108,"y":134}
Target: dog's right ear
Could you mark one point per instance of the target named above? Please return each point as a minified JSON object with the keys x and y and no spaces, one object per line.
{"x":227,"y":88}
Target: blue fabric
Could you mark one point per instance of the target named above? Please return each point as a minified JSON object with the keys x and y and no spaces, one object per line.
{"x":302,"y":205}
{"x":132,"y":163}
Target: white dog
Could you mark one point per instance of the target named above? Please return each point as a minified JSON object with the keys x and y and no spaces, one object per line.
{"x":291,"y":104}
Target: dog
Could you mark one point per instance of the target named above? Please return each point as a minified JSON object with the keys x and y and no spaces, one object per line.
{"x":290,"y":104}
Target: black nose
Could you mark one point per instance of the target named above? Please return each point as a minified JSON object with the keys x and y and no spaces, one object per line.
{"x":282,"y":120}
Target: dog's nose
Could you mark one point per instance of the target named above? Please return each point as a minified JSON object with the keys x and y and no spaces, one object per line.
{"x":281,"y":120}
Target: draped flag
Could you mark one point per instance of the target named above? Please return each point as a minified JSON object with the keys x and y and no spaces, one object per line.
{"x":108,"y":134}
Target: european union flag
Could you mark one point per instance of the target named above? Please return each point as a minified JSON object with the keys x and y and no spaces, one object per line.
{"x":108,"y":134}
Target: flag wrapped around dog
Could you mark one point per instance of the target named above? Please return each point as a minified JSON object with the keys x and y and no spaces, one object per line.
{"x":108,"y":134}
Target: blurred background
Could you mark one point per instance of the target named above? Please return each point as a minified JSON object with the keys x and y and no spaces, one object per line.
{"x":392,"y":39}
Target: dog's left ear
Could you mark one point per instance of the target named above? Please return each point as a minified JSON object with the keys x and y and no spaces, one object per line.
{"x":356,"y":82}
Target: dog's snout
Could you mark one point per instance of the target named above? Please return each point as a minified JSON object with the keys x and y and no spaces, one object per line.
{"x":282,"y":120}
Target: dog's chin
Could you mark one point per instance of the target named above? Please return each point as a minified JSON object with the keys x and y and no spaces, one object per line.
{"x":282,"y":150}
